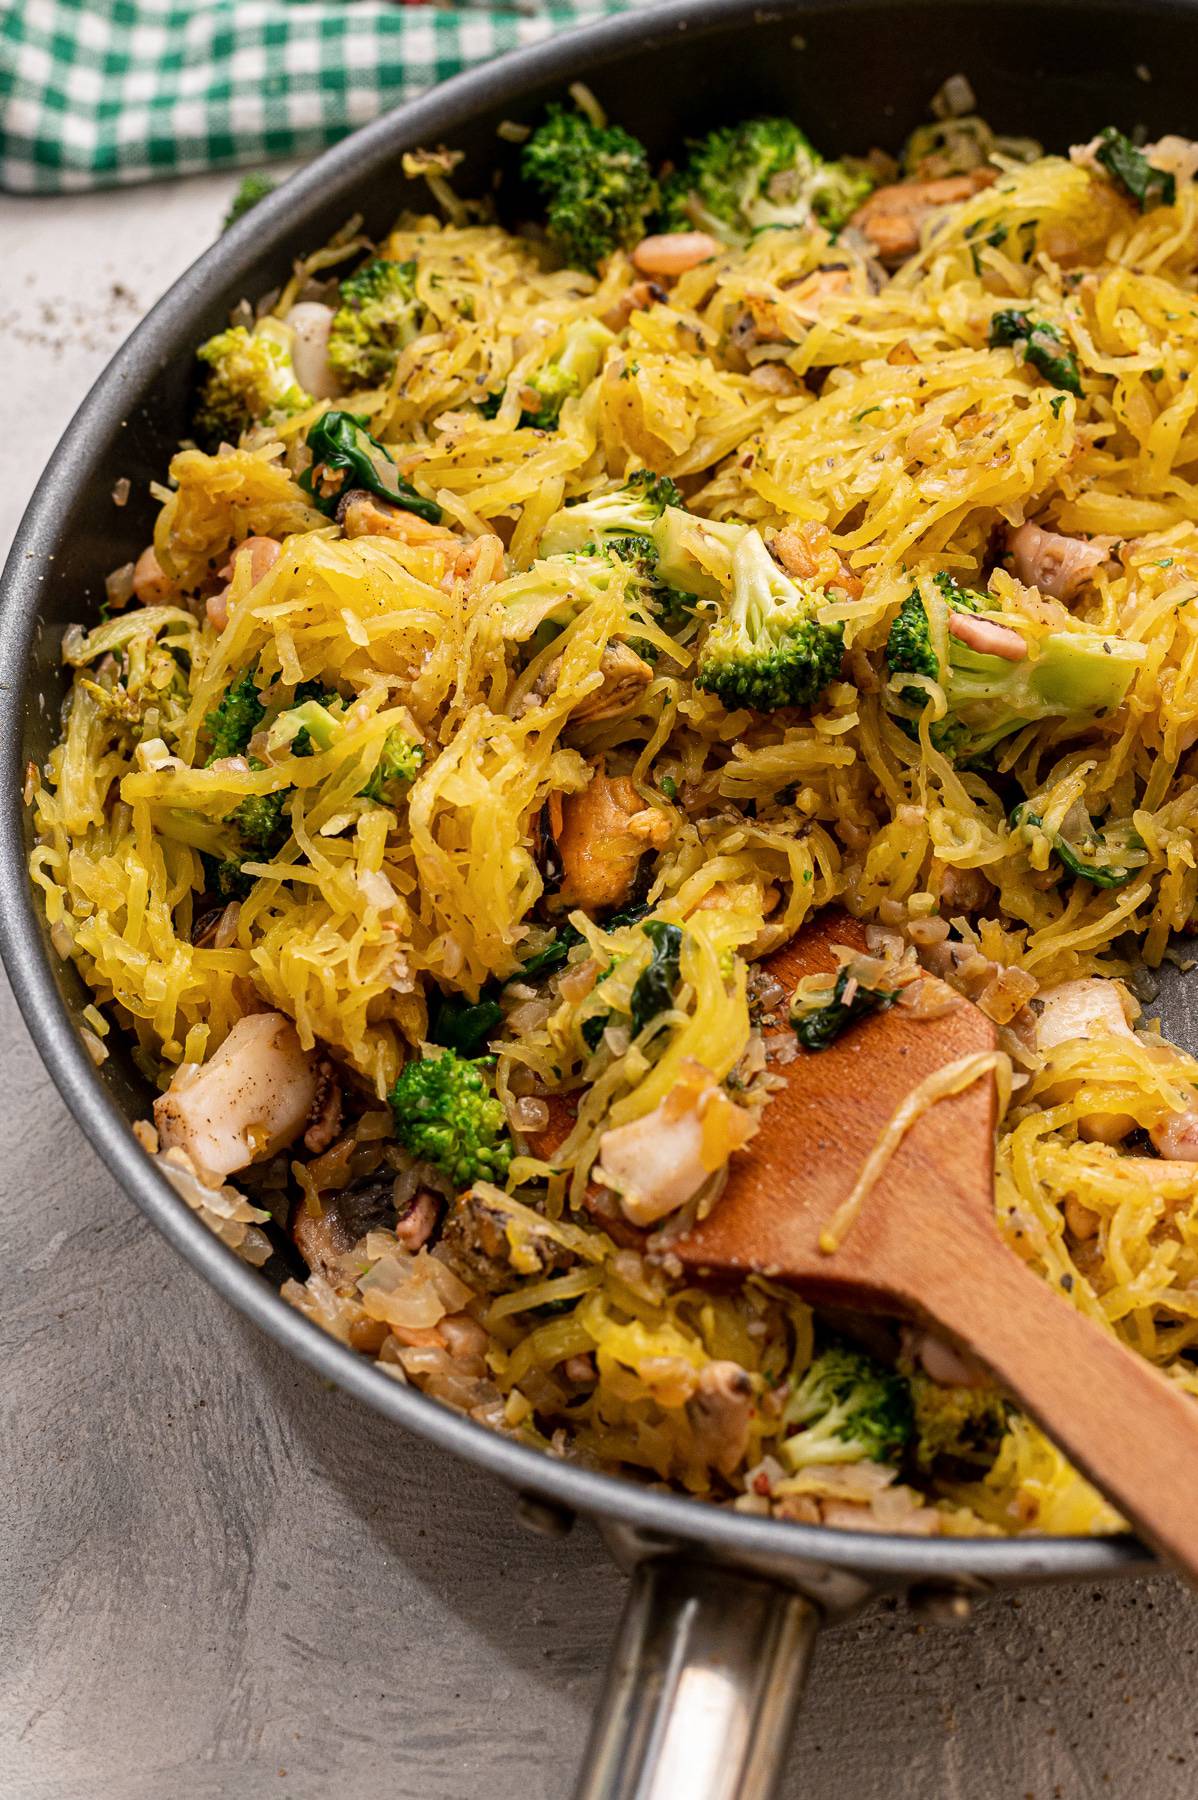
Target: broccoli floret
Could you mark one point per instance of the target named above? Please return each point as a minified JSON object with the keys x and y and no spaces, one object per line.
{"x":909,"y":648}
{"x":670,"y":607}
{"x":447,"y":1115}
{"x":629,"y":511}
{"x":260,"y":822}
{"x":235,"y":718}
{"x":379,"y":315}
{"x":226,"y":878}
{"x":769,"y":649}
{"x":553,"y":386}
{"x":1044,"y":347}
{"x":250,"y":382}
{"x":573,"y":368}
{"x":262,"y":828}
{"x":957,"y":1425}
{"x":1086,"y":852}
{"x":254,"y":187}
{"x":397,"y":768}
{"x":345,"y":456}
{"x":623,"y":527}
{"x":817,"y":1026}
{"x":762,"y":173}
{"x":313,"y":694}
{"x":1131,"y":170}
{"x":848,"y":1409}
{"x":1077,"y":675}
{"x":645,"y":593}
{"x":596,"y":183}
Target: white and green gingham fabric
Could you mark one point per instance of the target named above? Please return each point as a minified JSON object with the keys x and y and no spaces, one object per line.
{"x":99,"y":92}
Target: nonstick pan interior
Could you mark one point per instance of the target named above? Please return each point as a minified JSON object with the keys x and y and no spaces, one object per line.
{"x":855,"y":74}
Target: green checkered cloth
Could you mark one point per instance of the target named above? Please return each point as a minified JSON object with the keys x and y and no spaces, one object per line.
{"x":99,"y":92}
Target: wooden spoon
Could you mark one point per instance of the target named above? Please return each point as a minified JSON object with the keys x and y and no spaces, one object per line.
{"x":925,"y":1245}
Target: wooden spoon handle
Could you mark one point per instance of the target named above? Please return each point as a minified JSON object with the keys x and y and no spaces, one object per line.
{"x":1119,"y":1421}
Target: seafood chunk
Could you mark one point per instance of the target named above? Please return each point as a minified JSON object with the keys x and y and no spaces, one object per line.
{"x":601,"y":835}
{"x":893,"y":217}
{"x":625,"y":678}
{"x":1074,"y":1009}
{"x":987,"y":637}
{"x":660,"y":1161}
{"x":253,"y":1096}
{"x":1048,"y":560}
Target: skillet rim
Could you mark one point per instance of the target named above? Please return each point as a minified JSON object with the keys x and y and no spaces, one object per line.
{"x":166,"y":329}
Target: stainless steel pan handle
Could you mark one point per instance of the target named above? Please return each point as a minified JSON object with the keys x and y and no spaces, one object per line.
{"x":701,"y":1691}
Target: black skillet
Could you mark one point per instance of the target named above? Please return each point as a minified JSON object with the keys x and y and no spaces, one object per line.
{"x":723,"y":1608}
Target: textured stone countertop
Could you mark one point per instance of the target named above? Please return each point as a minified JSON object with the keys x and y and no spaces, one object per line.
{"x":219,"y":1578}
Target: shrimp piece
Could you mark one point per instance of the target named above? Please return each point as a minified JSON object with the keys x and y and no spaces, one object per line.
{"x":264,"y":553}
{"x":625,"y":678}
{"x":893,"y":217}
{"x":638,"y":298}
{"x":655,"y":1163}
{"x":805,"y":551}
{"x":360,"y":514}
{"x":151,"y":583}
{"x":987,"y":637}
{"x":941,"y":1361}
{"x":601,"y":835}
{"x":1055,"y":564}
{"x":251,"y":1098}
{"x":658,"y":1162}
{"x":829,"y":282}
{"x":1176,"y":1138}
{"x":674,"y":252}
{"x":719,"y":1413}
{"x":479,"y":563}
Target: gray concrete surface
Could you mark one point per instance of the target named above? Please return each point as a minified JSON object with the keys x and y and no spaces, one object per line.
{"x":219,"y":1578}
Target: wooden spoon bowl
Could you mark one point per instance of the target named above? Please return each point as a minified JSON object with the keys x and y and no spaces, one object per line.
{"x":925,"y":1244}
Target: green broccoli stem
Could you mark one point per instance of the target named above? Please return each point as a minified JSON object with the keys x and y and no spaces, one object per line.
{"x":573,"y":368}
{"x":1076,"y":675}
{"x":632,"y":510}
